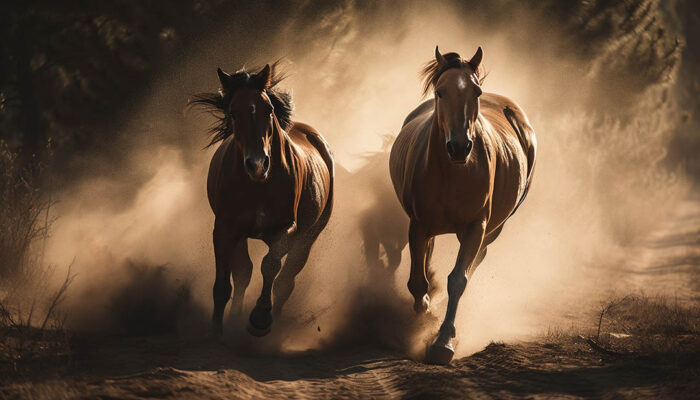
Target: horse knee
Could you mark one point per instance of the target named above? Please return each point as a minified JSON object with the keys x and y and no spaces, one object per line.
{"x":271,"y":266}
{"x":418,"y":286}
{"x":456,"y":283}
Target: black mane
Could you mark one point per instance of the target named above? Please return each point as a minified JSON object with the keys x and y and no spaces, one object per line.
{"x":215,"y":103}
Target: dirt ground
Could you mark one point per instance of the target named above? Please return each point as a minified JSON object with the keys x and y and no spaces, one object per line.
{"x":163,"y":367}
{"x":556,"y":365}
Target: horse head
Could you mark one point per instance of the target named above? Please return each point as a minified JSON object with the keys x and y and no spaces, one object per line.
{"x":456,"y":85}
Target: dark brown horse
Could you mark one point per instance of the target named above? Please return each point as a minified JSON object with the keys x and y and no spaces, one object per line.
{"x":270,"y":179}
{"x":461,"y":164}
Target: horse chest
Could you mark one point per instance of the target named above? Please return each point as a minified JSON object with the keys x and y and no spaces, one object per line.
{"x":254,"y":212}
{"x":453,"y":200}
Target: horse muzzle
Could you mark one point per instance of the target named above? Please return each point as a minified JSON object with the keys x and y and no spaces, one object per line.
{"x":257,"y":168}
{"x":458,"y":152}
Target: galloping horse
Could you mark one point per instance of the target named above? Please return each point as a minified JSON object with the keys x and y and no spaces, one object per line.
{"x":270,"y":179}
{"x":462,"y":164}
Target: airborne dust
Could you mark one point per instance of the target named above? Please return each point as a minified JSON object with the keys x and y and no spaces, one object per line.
{"x":140,"y":233}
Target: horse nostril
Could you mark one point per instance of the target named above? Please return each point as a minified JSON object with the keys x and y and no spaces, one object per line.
{"x":266,"y":163}
{"x":450,"y":149}
{"x":250,"y":165}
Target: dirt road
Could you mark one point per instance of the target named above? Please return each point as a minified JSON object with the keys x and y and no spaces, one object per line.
{"x":560,"y":365}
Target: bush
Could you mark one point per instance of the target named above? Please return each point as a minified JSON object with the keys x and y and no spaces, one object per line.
{"x":23,"y":213}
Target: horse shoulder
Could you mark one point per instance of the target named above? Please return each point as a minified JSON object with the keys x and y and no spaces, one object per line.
{"x":405,"y":158}
{"x":216,"y":176}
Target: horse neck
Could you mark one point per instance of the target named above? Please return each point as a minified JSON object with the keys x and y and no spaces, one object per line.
{"x":281,"y":146}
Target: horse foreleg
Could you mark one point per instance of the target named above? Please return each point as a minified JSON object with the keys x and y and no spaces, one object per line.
{"x":417,"y":282}
{"x":241,"y":271}
{"x":223,"y":244}
{"x":429,"y":273}
{"x":441,"y":352}
{"x":261,"y":317}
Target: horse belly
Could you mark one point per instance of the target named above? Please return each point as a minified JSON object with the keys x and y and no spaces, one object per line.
{"x":315,"y":196}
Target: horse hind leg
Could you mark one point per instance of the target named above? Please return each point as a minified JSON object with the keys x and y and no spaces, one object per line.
{"x":488,"y":239}
{"x":417,"y":282}
{"x":260,"y":320}
{"x":429,"y":272}
{"x":284,"y":284}
{"x":241,"y":271}
{"x":370,"y":246}
{"x":223,"y":243}
{"x":393,"y":256}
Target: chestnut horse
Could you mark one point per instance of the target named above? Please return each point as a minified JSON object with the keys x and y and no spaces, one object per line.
{"x":270,"y":179}
{"x":461,"y":164}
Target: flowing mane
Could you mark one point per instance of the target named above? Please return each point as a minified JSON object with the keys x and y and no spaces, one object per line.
{"x":432,"y":71}
{"x":215,"y":103}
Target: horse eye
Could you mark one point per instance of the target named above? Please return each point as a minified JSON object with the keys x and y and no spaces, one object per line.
{"x":437,"y":94}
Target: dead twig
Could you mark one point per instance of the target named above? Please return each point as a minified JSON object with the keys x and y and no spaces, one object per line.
{"x":58,"y":296}
{"x":604,"y":310}
{"x":595,"y":346}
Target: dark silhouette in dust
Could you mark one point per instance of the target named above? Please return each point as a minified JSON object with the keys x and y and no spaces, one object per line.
{"x":461,"y":164}
{"x":271,"y":179}
{"x":382,"y":222}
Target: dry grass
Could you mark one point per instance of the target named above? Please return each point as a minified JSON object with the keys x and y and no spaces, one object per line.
{"x":31,"y":327}
{"x":655,"y":327}
{"x":24,"y":213}
{"x":32,"y":334}
{"x":640,"y":327}
{"x":637,"y":327}
{"x":643,"y":316}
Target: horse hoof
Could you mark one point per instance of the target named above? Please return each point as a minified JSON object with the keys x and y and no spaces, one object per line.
{"x":260,"y":322}
{"x":440,"y":354}
{"x":258,"y":332}
{"x":422,"y":306}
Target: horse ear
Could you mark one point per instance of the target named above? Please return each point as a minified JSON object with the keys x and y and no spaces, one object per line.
{"x":439,"y":58}
{"x":265,"y":76}
{"x":224,"y":78}
{"x":476,"y":58}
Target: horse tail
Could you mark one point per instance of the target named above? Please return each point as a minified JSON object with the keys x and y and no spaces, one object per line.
{"x":528,"y":141}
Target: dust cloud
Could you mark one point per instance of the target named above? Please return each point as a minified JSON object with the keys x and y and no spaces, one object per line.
{"x":353,"y":71}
